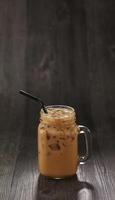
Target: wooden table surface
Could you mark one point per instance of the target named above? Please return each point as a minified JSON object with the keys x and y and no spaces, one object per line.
{"x":20,"y":179}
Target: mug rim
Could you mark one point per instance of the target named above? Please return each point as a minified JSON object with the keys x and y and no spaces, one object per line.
{"x":69,"y":108}
{"x":61,"y":106}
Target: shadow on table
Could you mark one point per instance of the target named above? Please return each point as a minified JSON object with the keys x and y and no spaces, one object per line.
{"x":63,"y":189}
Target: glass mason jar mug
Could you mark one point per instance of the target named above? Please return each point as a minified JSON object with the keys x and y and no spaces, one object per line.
{"x":58,"y":155}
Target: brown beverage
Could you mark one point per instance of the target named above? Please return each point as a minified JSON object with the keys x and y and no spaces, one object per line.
{"x":57,"y":142}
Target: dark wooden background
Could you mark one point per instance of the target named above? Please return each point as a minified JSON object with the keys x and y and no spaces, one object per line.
{"x":64,"y":52}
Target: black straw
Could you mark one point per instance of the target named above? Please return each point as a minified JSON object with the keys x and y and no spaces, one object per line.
{"x":34,"y":98}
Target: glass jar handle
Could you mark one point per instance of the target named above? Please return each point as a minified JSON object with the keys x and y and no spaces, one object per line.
{"x":88,"y":143}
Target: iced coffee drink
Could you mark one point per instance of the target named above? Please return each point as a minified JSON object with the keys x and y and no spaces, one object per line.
{"x":57,"y":142}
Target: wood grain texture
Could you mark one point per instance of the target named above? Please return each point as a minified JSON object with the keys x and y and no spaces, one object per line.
{"x":12,"y":56}
{"x":70,"y":55}
{"x":57,"y":57}
{"x":8,"y":156}
{"x":62,"y":52}
{"x":100,"y":40}
{"x":26,"y":173}
{"x":20,"y":178}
